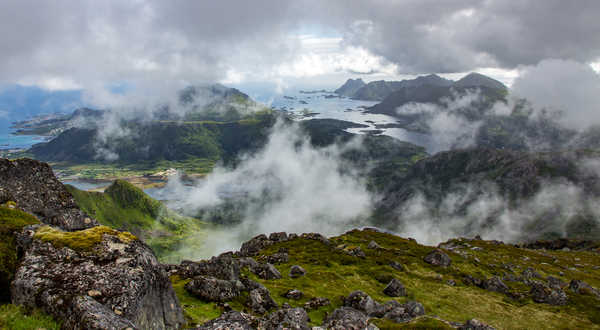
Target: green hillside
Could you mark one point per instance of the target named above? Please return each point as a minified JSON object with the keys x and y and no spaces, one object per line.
{"x":332,"y":272}
{"x":125,"y":207}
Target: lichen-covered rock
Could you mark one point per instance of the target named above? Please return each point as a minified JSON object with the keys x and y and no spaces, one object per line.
{"x":114,"y":269}
{"x":297,"y":271}
{"x":260,"y":301}
{"x":362,"y":302}
{"x":212,"y":289}
{"x":315,"y":303}
{"x":556,"y":283}
{"x":290,"y":318}
{"x":278,"y":237}
{"x":231,"y":320}
{"x":247,"y":262}
{"x":35,"y":189}
{"x":495,"y":284}
{"x":266,"y":272}
{"x":223,"y":267}
{"x":438,"y":258}
{"x":253,"y":246}
{"x":293,"y":294}
{"x":316,"y":237}
{"x":542,"y":293}
{"x":395,"y":289}
{"x":346,"y":318}
{"x":474,"y":324}
{"x":373,"y":245}
{"x":405,"y":312}
{"x":278,"y":258}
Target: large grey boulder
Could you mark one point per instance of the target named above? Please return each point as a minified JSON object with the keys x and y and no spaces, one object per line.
{"x":231,"y":320}
{"x":438,"y":258}
{"x":213,"y":289}
{"x":35,"y":189}
{"x":289,"y":318}
{"x":346,"y":318}
{"x":114,"y":282}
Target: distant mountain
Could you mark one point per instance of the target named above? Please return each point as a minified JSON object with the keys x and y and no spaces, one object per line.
{"x":478,"y":80}
{"x":379,"y":90}
{"x":350,"y":87}
{"x":466,"y":177}
{"x":20,"y":102}
{"x":54,"y":124}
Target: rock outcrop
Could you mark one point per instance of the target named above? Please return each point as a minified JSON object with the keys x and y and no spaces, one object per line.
{"x":98,"y":278}
{"x":35,"y":189}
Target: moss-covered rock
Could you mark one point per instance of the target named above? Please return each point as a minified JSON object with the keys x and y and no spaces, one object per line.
{"x":11,"y":221}
{"x":80,"y":241}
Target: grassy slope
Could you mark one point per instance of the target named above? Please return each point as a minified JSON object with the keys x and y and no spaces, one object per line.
{"x":333,"y":274}
{"x":17,"y":318}
{"x":126,"y":207}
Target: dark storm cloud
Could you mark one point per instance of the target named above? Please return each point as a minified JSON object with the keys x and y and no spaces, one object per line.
{"x":92,"y":43}
{"x":454,"y":36}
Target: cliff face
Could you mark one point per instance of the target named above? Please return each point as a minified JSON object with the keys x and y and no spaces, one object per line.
{"x":85,"y":275}
{"x":35,"y":189}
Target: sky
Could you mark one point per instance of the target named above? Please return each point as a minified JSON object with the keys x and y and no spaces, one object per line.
{"x":154,"y":47}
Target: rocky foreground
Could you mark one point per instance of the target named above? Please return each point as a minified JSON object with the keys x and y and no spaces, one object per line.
{"x":94,"y":277}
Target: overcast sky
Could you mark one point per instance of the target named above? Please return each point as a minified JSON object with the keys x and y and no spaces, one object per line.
{"x":100,"y":45}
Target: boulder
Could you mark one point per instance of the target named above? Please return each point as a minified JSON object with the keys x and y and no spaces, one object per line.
{"x":362,"y":302}
{"x":397,"y":266}
{"x":405,"y":312}
{"x":541,"y":293}
{"x":395,"y":289}
{"x":247,"y":262}
{"x":346,"y":318}
{"x":529,"y":274}
{"x":316,"y":303}
{"x":495,"y":284}
{"x":297,"y":271}
{"x":253,"y":246}
{"x":289,"y":318}
{"x":113,"y":269}
{"x":212,"y":289}
{"x":373,"y":245}
{"x":316,"y":237}
{"x":278,"y":237}
{"x":438,"y":258}
{"x":231,"y":320}
{"x":260,"y":301}
{"x":474,"y":324}
{"x":556,"y":283}
{"x":35,"y":189}
{"x":293,"y":294}
{"x":356,"y":252}
{"x":278,"y":258}
{"x":223,"y":267}
{"x":266,"y":272}
{"x":581,"y":287}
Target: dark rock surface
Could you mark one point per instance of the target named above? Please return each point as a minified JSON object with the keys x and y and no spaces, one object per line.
{"x":223,"y":267}
{"x":260,"y":301}
{"x":474,"y":324}
{"x":495,"y":284}
{"x":362,"y":302}
{"x":346,"y":318}
{"x":231,"y":320}
{"x":297,"y":271}
{"x":213,"y":289}
{"x":395,"y":289}
{"x":35,"y":189}
{"x":438,"y":258}
{"x":266,"y":272}
{"x":293,"y":294}
{"x":405,"y":312}
{"x":289,"y":318}
{"x":315,"y":303}
{"x":542,"y":293}
{"x":116,"y":284}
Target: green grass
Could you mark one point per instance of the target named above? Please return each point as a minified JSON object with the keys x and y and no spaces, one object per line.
{"x":125,"y":207}
{"x":332,"y":274}
{"x":17,"y":318}
{"x":11,"y":220}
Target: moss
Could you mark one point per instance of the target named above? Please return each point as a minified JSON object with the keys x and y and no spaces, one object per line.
{"x":419,"y":323}
{"x":11,"y":220}
{"x":82,"y":240}
{"x":17,"y":318}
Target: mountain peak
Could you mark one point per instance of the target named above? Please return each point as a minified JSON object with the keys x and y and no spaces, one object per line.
{"x":474,"y":79}
{"x":350,"y":87}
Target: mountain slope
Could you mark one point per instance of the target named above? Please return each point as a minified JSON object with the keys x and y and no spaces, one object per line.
{"x":369,"y":261}
{"x":125,"y":207}
{"x":350,"y":87}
